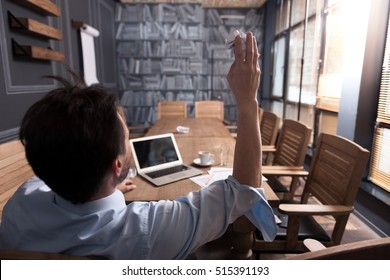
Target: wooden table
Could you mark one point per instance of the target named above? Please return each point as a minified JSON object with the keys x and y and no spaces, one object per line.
{"x":205,"y":134}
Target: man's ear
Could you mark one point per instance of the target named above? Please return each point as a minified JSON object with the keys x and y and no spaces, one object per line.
{"x":117,"y":166}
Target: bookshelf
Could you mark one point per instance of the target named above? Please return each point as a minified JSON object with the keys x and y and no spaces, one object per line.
{"x":160,"y":57}
{"x":176,"y":52}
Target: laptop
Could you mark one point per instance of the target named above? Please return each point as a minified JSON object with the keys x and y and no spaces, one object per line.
{"x":158,"y":160}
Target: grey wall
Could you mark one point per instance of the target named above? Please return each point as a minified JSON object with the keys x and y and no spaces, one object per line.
{"x":21,"y":82}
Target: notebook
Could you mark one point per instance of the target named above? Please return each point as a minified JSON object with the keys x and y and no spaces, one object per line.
{"x":158,"y":160}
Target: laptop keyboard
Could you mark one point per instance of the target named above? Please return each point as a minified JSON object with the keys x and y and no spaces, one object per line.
{"x":167,"y":171}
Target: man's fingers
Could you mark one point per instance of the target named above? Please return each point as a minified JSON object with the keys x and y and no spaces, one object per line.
{"x":255,"y":51}
{"x":249,"y":47}
{"x":239,"y":56}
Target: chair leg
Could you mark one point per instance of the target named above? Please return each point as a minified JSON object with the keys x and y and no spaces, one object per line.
{"x":292,"y":233}
{"x":295,"y":183}
{"x":339,"y":228}
{"x":242,"y":238}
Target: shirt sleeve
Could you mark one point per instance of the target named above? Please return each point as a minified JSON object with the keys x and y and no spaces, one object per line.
{"x":176,"y":228}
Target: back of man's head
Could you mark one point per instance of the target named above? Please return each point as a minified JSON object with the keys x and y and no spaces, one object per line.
{"x":72,"y":136}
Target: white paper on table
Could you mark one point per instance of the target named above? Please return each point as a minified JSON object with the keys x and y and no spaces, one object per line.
{"x":214,"y":174}
{"x":87,"y":34}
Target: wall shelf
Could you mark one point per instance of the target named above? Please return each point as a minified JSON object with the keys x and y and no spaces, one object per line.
{"x":34,"y":27}
{"x":36,"y":52}
{"x":45,"y":7}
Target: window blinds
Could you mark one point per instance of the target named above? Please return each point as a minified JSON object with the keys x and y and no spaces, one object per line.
{"x":380,"y":161}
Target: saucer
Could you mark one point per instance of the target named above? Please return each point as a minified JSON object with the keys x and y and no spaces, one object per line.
{"x":197,"y":162}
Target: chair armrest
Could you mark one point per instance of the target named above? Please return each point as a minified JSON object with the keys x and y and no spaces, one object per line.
{"x":313,"y":245}
{"x":276,"y":170}
{"x":268,"y":148}
{"x":311,"y":209}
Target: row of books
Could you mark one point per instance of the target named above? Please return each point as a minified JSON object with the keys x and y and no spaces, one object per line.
{"x":184,"y":82}
{"x":131,"y":65}
{"x":140,"y":115}
{"x":173,"y":48}
{"x":220,"y":83}
{"x":218,"y":51}
{"x":157,"y":31}
{"x":221,"y":67}
{"x":161,"y":13}
{"x":192,"y":65}
{"x":164,"y":82}
{"x":131,"y":98}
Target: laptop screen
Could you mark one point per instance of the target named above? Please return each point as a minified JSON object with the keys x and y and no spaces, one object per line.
{"x":152,"y":152}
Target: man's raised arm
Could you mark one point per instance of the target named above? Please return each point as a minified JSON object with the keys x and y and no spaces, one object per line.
{"x":244,"y":80}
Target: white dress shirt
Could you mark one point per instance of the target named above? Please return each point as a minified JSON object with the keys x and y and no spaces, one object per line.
{"x":37,"y":219}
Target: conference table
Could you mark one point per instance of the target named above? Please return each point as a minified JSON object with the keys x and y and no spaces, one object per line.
{"x":204,"y":134}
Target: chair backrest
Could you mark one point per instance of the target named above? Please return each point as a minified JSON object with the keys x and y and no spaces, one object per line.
{"x":269,"y":128}
{"x":292,"y":143}
{"x":261,"y":113}
{"x":172,"y":109}
{"x":374,"y":249}
{"x":335,"y":174}
{"x":209,"y":109}
{"x":336,"y":170}
{"x":14,"y":170}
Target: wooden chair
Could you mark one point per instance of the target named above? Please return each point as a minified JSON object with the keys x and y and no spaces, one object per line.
{"x":373,"y":249}
{"x":6,"y":254}
{"x":209,"y":109}
{"x":172,"y":109}
{"x":261,"y":114}
{"x":14,"y":170}
{"x":290,"y":151}
{"x":334,"y":178}
{"x":269,"y":128}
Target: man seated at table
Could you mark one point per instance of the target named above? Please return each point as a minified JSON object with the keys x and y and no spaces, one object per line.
{"x":77,"y":145}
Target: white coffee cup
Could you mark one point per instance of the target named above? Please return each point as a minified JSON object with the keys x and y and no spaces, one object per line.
{"x":205,"y":157}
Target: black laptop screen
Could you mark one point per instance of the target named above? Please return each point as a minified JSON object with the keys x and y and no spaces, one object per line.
{"x":153,"y":152}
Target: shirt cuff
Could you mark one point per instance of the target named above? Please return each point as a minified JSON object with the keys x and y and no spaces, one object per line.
{"x":260,"y":214}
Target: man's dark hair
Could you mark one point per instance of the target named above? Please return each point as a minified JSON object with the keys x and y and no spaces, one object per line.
{"x":71,"y":137}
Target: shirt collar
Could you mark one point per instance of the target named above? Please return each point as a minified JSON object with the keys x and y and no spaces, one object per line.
{"x":115,"y":201}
